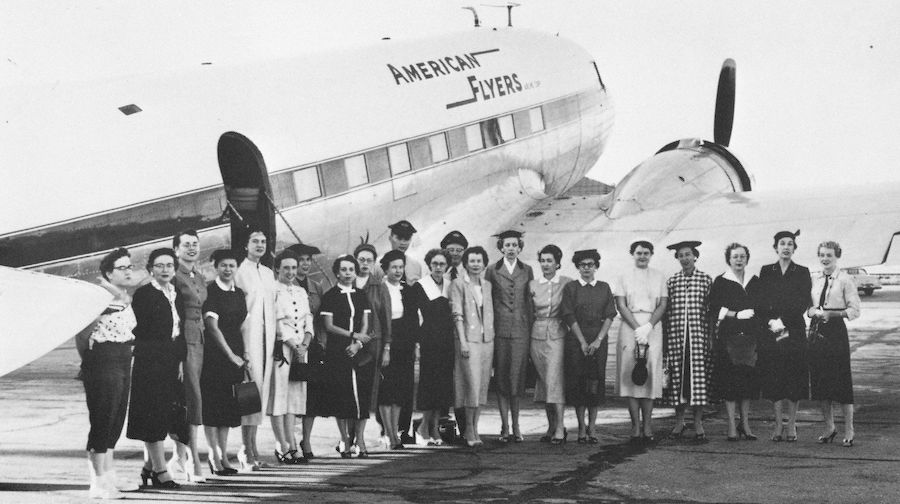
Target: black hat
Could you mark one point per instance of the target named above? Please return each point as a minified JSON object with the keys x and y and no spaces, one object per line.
{"x":390,"y":257}
{"x":509,"y":233}
{"x":402,"y":228}
{"x":787,"y":234}
{"x":302,"y":249}
{"x":454,"y":237}
{"x":682,"y":244}
{"x":581,"y":255}
{"x":365,"y":246}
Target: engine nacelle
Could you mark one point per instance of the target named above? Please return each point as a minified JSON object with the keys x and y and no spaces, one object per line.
{"x":681,"y":171}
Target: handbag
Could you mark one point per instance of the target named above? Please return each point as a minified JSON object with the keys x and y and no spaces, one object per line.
{"x":247,"y":396}
{"x":741,"y":348}
{"x":639,"y":373}
{"x":314,"y":369}
{"x":179,"y":428}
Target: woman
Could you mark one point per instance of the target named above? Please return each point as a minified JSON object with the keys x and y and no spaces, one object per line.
{"x":687,"y":337}
{"x":293,"y":333}
{"x":105,"y":350}
{"x":834,"y":298}
{"x":784,"y":298}
{"x":398,"y":360}
{"x":641,"y":297}
{"x":429,"y":296}
{"x":509,"y":279}
{"x":547,"y":341}
{"x":158,"y":309}
{"x":223,"y":359}
{"x":473,"y":316}
{"x":733,"y":300}
{"x":588,"y":309}
{"x":258,"y":283}
{"x":345,"y":315}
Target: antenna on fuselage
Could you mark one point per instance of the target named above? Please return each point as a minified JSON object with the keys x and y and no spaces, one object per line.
{"x":509,"y":7}
{"x":474,"y":13}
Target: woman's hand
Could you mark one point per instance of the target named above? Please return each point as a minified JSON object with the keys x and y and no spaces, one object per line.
{"x":238,"y":361}
{"x":386,"y":356}
{"x":464,"y":351}
{"x":363,"y":338}
{"x":353,"y":349}
{"x":586,"y":348}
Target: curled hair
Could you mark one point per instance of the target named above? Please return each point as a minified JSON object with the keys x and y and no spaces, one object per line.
{"x":253,"y":230}
{"x":176,"y":240}
{"x":223,"y":255}
{"x":833,"y":245}
{"x":431,"y":254}
{"x":554,"y":251}
{"x":161,"y":252}
{"x":477,"y":249}
{"x":735,"y":246}
{"x":640,"y":243}
{"x":501,"y":240}
{"x":336,"y":265}
{"x":108,"y":263}
{"x":286,"y":254}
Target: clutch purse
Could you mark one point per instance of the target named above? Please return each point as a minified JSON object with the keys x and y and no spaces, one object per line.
{"x":639,"y":373}
{"x":247,"y":396}
{"x":314,"y":369}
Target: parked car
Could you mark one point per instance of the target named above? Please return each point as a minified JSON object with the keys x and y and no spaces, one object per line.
{"x":865,"y":283}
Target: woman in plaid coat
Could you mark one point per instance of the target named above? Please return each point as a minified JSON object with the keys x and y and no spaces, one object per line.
{"x":687,"y":340}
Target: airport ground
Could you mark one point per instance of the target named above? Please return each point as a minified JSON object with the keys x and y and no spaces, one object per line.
{"x":45,"y":425}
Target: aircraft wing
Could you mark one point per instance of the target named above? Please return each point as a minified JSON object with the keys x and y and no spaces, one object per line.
{"x":39,"y":312}
{"x":862,"y":219}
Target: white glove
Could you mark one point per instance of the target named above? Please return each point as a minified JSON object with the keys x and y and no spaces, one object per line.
{"x":776,"y":325}
{"x":642,"y":333}
{"x":745,"y":314}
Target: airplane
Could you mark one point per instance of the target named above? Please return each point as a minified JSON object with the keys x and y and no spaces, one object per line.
{"x":478,"y":131}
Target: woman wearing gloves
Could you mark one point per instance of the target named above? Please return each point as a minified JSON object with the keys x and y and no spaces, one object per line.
{"x":641,"y":298}
{"x":733,"y":299}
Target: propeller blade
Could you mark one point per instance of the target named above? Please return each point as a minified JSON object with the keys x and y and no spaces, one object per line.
{"x":725,"y":104}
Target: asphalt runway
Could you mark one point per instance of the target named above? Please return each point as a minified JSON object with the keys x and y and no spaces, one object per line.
{"x":45,"y":426}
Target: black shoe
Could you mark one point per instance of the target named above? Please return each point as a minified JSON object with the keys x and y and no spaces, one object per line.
{"x":398,"y":446}
{"x":701,"y":438}
{"x":407,"y":439}
{"x":742,"y":432}
{"x":308,"y":455}
{"x":363,"y":454}
{"x":156,"y":483}
{"x":146,"y":475}
{"x":827,"y":439}
{"x":559,"y":441}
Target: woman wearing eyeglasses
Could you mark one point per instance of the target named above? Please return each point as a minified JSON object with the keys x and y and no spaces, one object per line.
{"x":105,"y":350}
{"x":159,"y":309}
{"x":588,"y":308}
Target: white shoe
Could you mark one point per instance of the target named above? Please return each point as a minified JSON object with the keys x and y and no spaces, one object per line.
{"x":102,"y":487}
{"x":176,"y":468}
{"x":191,"y":475}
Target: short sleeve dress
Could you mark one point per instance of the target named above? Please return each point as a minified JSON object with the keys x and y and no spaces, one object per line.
{"x":219,"y":374}
{"x":348,"y":389}
{"x":642,"y":289}
{"x":589,"y":304}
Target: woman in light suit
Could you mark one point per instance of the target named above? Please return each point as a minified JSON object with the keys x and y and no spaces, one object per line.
{"x":473,"y":316}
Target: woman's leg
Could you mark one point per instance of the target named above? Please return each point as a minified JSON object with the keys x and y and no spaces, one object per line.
{"x":424,"y":430}
{"x":551,"y":419}
{"x":647,"y":415}
{"x":281,"y":444}
{"x":678,"y":428}
{"x":290,"y":424}
{"x":361,"y":435}
{"x":582,"y":430}
{"x":476,"y":415}
{"x":395,"y":419}
{"x":745,"y":417}
{"x":514,"y":411}
{"x":222,"y":435}
{"x":698,"y":420}
{"x":849,"y":432}
{"x":384,"y":412}
{"x":634,"y":411}
{"x":245,"y":454}
{"x":215,"y":452}
{"x":345,"y":432}
{"x":157,"y":455}
{"x":729,"y":410}
{"x":592,"y":421}
{"x":792,"y":418}
{"x":308,"y":422}
{"x":503,"y":403}
{"x":559,"y":423}
{"x":778,"y":428}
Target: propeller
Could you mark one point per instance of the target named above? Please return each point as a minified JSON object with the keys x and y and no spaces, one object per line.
{"x":725,"y":104}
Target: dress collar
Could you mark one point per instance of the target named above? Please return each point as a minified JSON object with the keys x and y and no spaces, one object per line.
{"x":226,"y":288}
{"x":431,"y":288}
{"x":729,"y":275}
{"x":592,"y":283}
{"x":555,"y":279}
{"x":346,"y":290}
{"x":168,"y":290}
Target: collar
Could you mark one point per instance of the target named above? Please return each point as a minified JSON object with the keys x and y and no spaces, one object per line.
{"x":502,"y":262}
{"x":346,"y":290}
{"x":431,"y":287}
{"x":168,"y":290}
{"x":777,"y":267}
{"x":543,"y":280}
{"x":584,"y":284}
{"x":833,"y":276}
{"x":226,"y":288}
{"x":189,"y":272}
{"x":729,"y":275}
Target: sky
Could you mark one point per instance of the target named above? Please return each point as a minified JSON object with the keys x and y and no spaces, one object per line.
{"x":816,"y":80}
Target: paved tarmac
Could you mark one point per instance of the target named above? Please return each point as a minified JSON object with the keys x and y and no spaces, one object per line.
{"x":45,"y":427}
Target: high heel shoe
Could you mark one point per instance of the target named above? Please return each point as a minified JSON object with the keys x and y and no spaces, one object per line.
{"x":559,"y":441}
{"x":295,"y":460}
{"x":827,"y":439}
{"x":168,"y":485}
{"x":847,"y":443}
{"x":146,"y":475}
{"x":747,"y":436}
{"x":191,"y":474}
{"x":308,"y":455}
{"x":677,"y":434}
{"x":224,"y":471}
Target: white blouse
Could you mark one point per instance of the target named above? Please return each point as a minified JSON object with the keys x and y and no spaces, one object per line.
{"x":642,"y":288}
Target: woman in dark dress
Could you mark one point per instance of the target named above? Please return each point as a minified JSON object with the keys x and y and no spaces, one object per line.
{"x":159,"y":310}
{"x":398,"y":361}
{"x":345,"y":314}
{"x":430,"y":296}
{"x":588,"y":309}
{"x":733,"y":301}
{"x":784,"y":297}
{"x":223,"y":363}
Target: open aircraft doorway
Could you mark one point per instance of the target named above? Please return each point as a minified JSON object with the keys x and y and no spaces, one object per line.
{"x":247,"y":191}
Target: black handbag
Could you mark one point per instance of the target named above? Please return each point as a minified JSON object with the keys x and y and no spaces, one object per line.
{"x":247,"y":396}
{"x":179,"y":427}
{"x":313,"y":370}
{"x":741,"y":348}
{"x":639,"y":373}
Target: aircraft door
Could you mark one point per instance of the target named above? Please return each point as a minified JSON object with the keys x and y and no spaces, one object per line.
{"x":247,"y":190}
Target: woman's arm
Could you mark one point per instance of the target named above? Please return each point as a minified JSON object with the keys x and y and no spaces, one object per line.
{"x":457,"y":305}
{"x":627,"y":316}
{"x":660,"y":311}
{"x":215,"y":334}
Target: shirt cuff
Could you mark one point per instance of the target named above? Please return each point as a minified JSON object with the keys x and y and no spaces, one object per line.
{"x":212,"y":315}
{"x":722,"y":312}
{"x":326,"y":313}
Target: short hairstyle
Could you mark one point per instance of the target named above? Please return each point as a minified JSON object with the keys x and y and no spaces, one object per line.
{"x":693,"y":251}
{"x":389,"y":257}
{"x":176,"y":240}
{"x":474,"y":250}
{"x":108,"y":263}
{"x":286,"y":254}
{"x":501,"y":240}
{"x":223,"y":255}
{"x":255,"y":229}
{"x":553,"y":250}
{"x":336,"y":265}
{"x":735,"y":246}
{"x":833,"y":245}
{"x":431,"y":254}
{"x":640,"y":243}
{"x":365,"y":247}
{"x":158,"y":253}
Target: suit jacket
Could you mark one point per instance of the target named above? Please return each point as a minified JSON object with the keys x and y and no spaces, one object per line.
{"x":513,"y":312}
{"x":478,"y":322}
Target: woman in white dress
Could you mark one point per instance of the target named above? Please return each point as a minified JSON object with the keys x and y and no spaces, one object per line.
{"x":641,"y":298}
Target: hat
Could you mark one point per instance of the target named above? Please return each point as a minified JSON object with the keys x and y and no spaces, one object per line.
{"x":787,"y":234}
{"x":510,"y":233}
{"x":402,"y":228}
{"x":454,"y":237}
{"x":682,"y":244}
{"x":390,"y":257}
{"x":365,"y":246}
{"x":581,"y":255}
{"x":302,"y":249}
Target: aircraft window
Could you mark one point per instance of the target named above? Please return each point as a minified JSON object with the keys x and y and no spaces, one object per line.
{"x":334,"y":177}
{"x":536,"y":118}
{"x":561,"y":111}
{"x":490,"y":130}
{"x":379,"y":167}
{"x":306,"y":184}
{"x":507,"y":131}
{"x":356,"y":171}
{"x":283,"y":193}
{"x":521,"y":123}
{"x":419,"y":153}
{"x":473,"y":137}
{"x":399,"y":157}
{"x":438,"y":145}
{"x":458,"y":146}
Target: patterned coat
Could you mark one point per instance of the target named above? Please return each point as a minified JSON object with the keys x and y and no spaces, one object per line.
{"x":688,"y":311}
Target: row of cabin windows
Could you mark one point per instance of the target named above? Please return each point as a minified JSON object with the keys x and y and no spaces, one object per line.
{"x":380,"y":164}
